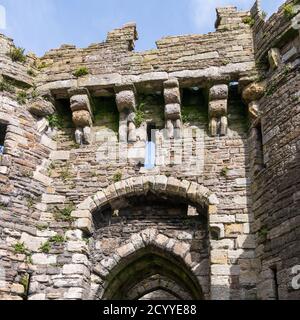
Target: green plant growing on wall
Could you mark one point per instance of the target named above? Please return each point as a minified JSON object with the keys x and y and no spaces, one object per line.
{"x":263,"y":233}
{"x":80,"y":72}
{"x":64,"y":214}
{"x":249,"y":21}
{"x":30,"y":202}
{"x":24,"y":281}
{"x":42,"y":65}
{"x":117,"y":176}
{"x":6,"y":86}
{"x":22,"y":97}
{"x":58,"y":239}
{"x":54,"y":121}
{"x":271,"y":89}
{"x":289,"y":10}
{"x":45,"y":247}
{"x":20,"y":248}
{"x":31,"y":73}
{"x":264,"y":14}
{"x":42,"y":227}
{"x":224,"y":172}
{"x":140,"y":114}
{"x":17,"y":54}
{"x":65,"y":174}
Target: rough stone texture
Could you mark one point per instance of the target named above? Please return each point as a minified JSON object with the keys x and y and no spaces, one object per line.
{"x":87,"y":221}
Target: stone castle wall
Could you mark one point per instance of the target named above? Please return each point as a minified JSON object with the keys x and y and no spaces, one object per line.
{"x":79,"y":211}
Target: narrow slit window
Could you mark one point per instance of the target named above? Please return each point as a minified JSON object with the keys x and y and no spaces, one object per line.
{"x":259,"y":145}
{"x":150,"y":146}
{"x":3,"y":129}
{"x":275,"y":285}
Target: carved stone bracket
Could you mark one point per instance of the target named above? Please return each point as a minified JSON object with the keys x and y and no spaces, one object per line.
{"x":126,"y":103}
{"x":218,"y":99}
{"x":172,"y":106}
{"x":82,"y":115}
{"x":251,"y":95}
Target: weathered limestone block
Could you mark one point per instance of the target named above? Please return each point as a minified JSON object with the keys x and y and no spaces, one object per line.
{"x":173,"y":111}
{"x":126,"y":250}
{"x":60,"y":155}
{"x":87,"y":135}
{"x":213,"y":126}
{"x":219,"y":257}
{"x":218,"y":108}
{"x":79,"y":135}
{"x":43,"y":259}
{"x":123,"y":127}
{"x":132,"y":136}
{"x":274,"y":57}
{"x":254,"y":110}
{"x":254,"y":91}
{"x":41,"y":107}
{"x":82,"y":118}
{"x":80,"y":102}
{"x":72,"y":269}
{"x":172,"y":92}
{"x":223,"y":126}
{"x":218,"y":99}
{"x":172,"y":107}
{"x":181,"y":249}
{"x":126,"y":100}
{"x":84,"y":224}
{"x":53,"y":199}
{"x":32,"y":243}
{"x":74,"y":294}
{"x":218,"y":92}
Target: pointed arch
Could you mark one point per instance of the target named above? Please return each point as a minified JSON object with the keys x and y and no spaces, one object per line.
{"x":149,"y":254}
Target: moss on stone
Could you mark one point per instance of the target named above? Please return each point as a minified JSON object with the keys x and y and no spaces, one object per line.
{"x":194,"y":114}
{"x":106,"y":113}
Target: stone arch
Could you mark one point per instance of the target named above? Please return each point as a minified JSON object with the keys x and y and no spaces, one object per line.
{"x":191,"y":192}
{"x":147,"y":254}
{"x":155,"y":283}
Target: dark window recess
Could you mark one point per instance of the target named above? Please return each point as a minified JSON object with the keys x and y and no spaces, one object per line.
{"x":193,"y":97}
{"x":150,"y":132}
{"x":3,"y":129}
{"x":259,"y":161}
{"x":275,"y":283}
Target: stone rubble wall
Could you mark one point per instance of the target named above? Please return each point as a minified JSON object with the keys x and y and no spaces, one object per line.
{"x":275,"y":185}
{"x":51,"y":186}
{"x":23,"y":177}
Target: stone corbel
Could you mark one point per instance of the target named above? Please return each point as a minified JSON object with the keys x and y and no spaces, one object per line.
{"x":82,"y":115}
{"x":218,"y":99}
{"x":172,"y":106}
{"x":43,"y":105}
{"x":126,"y":103}
{"x":251,"y":95}
{"x":274,"y":57}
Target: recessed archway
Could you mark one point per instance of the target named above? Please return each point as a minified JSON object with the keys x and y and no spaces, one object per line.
{"x":150,"y":269}
{"x":150,"y":231}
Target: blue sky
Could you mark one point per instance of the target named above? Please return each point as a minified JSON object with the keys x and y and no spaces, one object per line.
{"x":39,"y":25}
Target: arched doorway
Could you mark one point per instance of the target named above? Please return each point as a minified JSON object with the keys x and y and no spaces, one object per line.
{"x":148,"y":270}
{"x":150,"y":239}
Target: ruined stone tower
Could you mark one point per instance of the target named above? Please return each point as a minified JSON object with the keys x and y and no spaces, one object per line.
{"x":167,"y":174}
